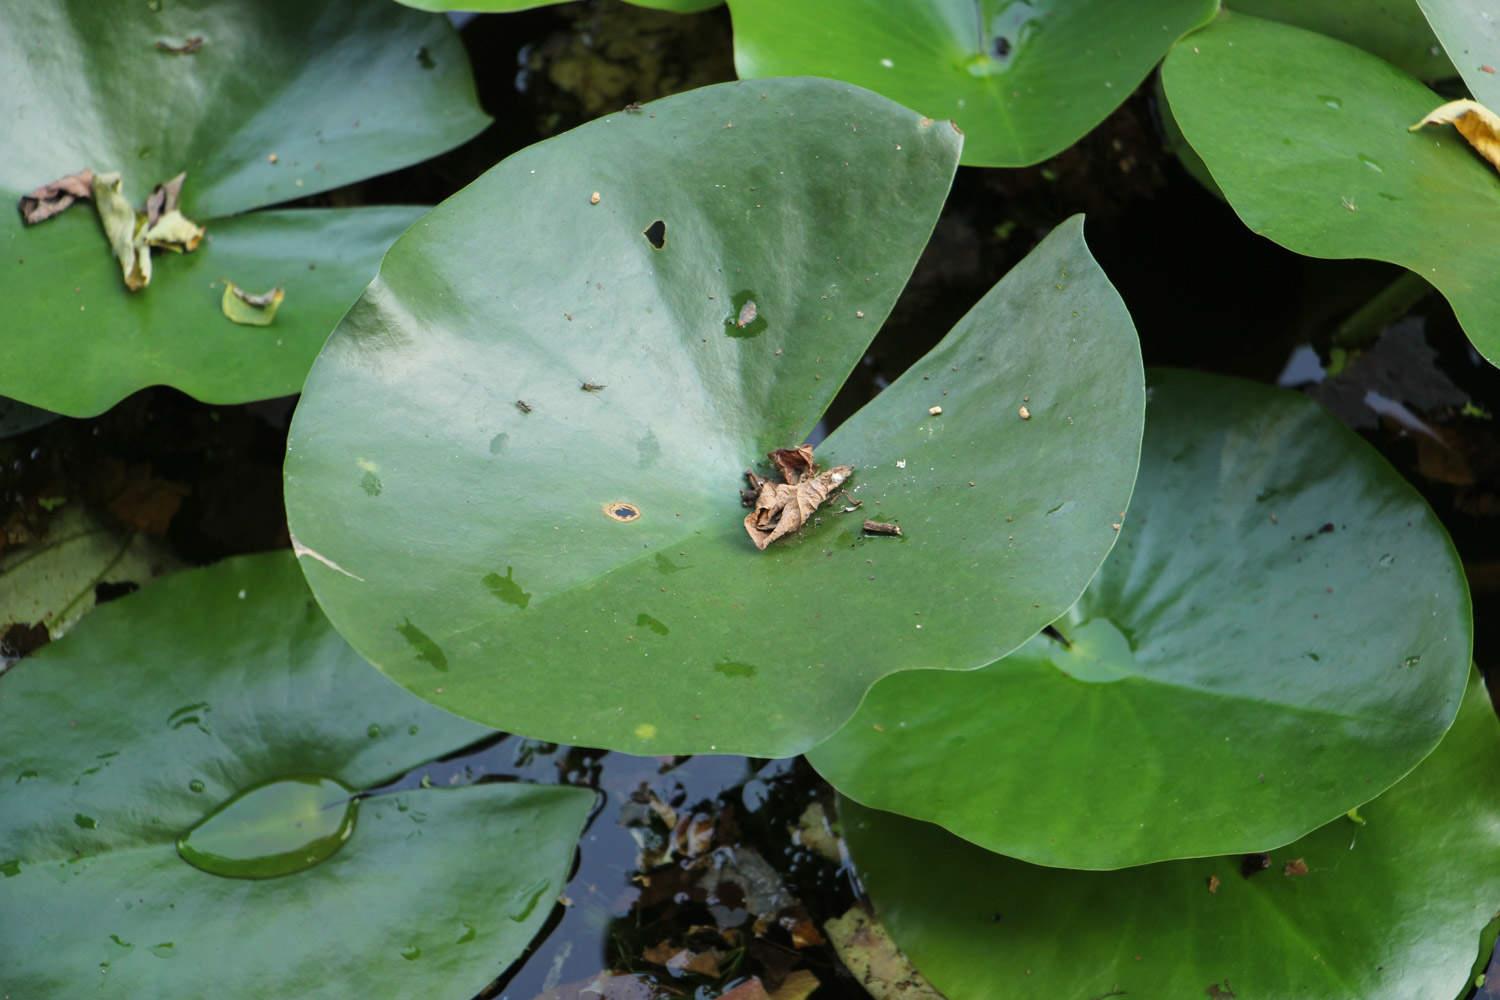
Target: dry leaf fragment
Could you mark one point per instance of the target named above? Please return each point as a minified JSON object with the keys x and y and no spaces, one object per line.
{"x":782,"y":508}
{"x":189,"y":45}
{"x":1295,"y":868}
{"x":1475,"y":122}
{"x":882,"y":528}
{"x":125,"y":230}
{"x":50,"y":199}
{"x":250,"y":310}
{"x":166,"y":227}
{"x":1213,"y":884}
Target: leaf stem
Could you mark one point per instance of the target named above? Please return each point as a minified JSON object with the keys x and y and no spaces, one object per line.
{"x":1394,"y":301}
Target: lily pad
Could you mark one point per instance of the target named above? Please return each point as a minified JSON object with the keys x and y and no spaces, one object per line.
{"x":1024,"y":80}
{"x":1386,"y":906}
{"x":1307,"y":138}
{"x":1282,"y":633}
{"x":1471,"y":35}
{"x":1394,"y":30}
{"x":511,"y":6}
{"x":514,"y":474}
{"x":165,"y":706}
{"x":78,"y":340}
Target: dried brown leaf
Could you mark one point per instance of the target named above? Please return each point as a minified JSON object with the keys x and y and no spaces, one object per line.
{"x":1475,"y":122}
{"x":50,"y":199}
{"x":783,"y":508}
{"x":793,"y":463}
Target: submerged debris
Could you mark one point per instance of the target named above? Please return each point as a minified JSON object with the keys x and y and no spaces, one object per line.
{"x":50,"y":199}
{"x":783,"y":508}
{"x":251,"y":310}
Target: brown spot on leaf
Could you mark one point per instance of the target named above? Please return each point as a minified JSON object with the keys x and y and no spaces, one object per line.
{"x":1295,"y":868}
{"x":619,"y":510}
{"x":1213,"y":884}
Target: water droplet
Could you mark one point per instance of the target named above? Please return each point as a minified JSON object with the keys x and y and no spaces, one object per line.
{"x":195,"y":785}
{"x":1367,"y":161}
{"x":646,"y":621}
{"x":163,"y":950}
{"x":665,"y":565}
{"x":469,"y":933}
{"x":123,"y":944}
{"x":1411,"y":661}
{"x":373,"y":732}
{"x":11,"y":868}
{"x":1329,"y":101}
{"x":371,"y":484}
{"x":497,"y":443}
{"x":190,"y":715}
{"x":1387,"y":560}
{"x":506,"y":588}
{"x":531,"y":896}
{"x":734,"y":668}
{"x":411,"y":953}
{"x":28,"y":775}
{"x":1314,"y":657}
{"x":154,"y":6}
{"x":86,"y":822}
{"x":412,"y":730}
{"x":275,"y":829}
{"x":145,"y":153}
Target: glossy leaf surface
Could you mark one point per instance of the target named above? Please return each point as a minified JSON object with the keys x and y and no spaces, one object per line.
{"x":163,"y":707}
{"x":283,"y":99}
{"x":452,"y":486}
{"x":1307,"y":138}
{"x":1391,"y":906}
{"x":1024,"y":80}
{"x":1281,"y":634}
{"x":1470,"y":32}
{"x":1394,"y":30}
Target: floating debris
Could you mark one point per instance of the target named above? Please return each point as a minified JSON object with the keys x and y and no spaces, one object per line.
{"x":882,"y":528}
{"x":246,"y":309}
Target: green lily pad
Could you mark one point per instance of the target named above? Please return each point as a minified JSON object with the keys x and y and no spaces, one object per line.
{"x":514,"y":474}
{"x":1024,"y":80}
{"x":1281,"y":634}
{"x":1471,"y":35}
{"x":1307,"y":138}
{"x":1394,"y":30}
{"x":1391,"y":905}
{"x":511,"y":6}
{"x":147,"y":723}
{"x":359,"y":89}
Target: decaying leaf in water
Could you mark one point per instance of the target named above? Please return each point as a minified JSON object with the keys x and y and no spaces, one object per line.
{"x":1474,"y":122}
{"x":878,"y":965}
{"x":251,"y":310}
{"x":50,"y":199}
{"x":782,"y":508}
{"x":125,"y":230}
{"x":166,"y":227}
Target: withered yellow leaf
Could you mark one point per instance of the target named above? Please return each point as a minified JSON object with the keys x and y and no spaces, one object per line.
{"x":251,"y":310}
{"x":166,"y":227}
{"x":782,"y":508}
{"x":124,"y":229}
{"x":1475,"y":122}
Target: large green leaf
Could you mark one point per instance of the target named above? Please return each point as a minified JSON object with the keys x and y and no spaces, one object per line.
{"x":1470,"y":32}
{"x":511,"y":6}
{"x":162,"y":706}
{"x":1024,"y":79}
{"x":1281,"y":634}
{"x":284,"y":99}
{"x":1391,"y":906}
{"x":1394,"y":30}
{"x":464,"y":546}
{"x":1307,"y":138}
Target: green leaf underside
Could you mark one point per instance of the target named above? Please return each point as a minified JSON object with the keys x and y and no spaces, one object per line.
{"x":104,"y":97}
{"x":1307,"y":137}
{"x":464,"y":547}
{"x":1024,"y":80}
{"x":1281,"y":634}
{"x":1394,"y":30}
{"x":208,"y":684}
{"x":1470,"y":33}
{"x":1390,"y":908}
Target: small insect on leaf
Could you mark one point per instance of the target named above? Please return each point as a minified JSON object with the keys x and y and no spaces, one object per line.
{"x":246,"y":309}
{"x":1475,"y":122}
{"x":592,"y":387}
{"x":523,"y":406}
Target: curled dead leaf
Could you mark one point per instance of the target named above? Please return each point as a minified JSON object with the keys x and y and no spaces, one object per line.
{"x":50,"y":199}
{"x":124,"y":230}
{"x":250,"y":310}
{"x":783,"y":508}
{"x":1475,"y":122}
{"x":166,"y":227}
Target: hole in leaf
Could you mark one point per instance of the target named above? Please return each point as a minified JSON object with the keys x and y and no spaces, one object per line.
{"x":621,"y":511}
{"x":656,"y":233}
